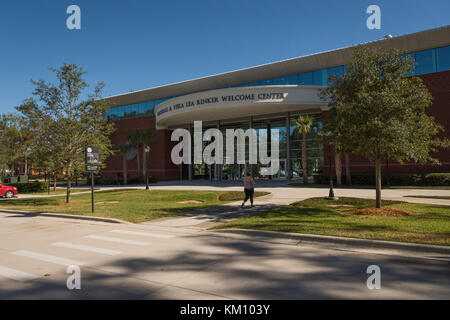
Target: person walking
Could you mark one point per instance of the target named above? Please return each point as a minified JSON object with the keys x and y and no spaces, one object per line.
{"x":248,"y":188}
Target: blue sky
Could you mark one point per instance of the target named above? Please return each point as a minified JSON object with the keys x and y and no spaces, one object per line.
{"x":138,"y":44}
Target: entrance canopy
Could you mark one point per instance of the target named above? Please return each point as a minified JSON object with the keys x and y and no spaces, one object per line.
{"x":234,"y":103}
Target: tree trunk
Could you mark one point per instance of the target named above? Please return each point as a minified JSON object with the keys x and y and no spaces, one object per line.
{"x":348,"y":176}
{"x":378,"y":182}
{"x":144,"y":166}
{"x":338,"y":167}
{"x":304,"y":160}
{"x":54,"y":182}
{"x":25,"y":169}
{"x":138,"y":164}
{"x":125,"y":169}
{"x":69,"y":182}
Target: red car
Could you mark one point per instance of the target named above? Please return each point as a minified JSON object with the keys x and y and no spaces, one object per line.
{"x":7,"y":191}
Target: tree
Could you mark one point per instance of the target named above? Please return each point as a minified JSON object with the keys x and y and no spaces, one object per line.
{"x":70,"y":120}
{"x":338,"y":166}
{"x":304,"y":125}
{"x":16,"y":136}
{"x":378,"y":112}
{"x":123,"y":150}
{"x":348,"y":176}
{"x":137,"y":140}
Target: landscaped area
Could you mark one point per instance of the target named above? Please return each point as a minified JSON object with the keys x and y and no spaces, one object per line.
{"x":129,"y":205}
{"x":62,"y":191}
{"x":430,"y":197}
{"x":324,"y":186}
{"x":405,"y":222}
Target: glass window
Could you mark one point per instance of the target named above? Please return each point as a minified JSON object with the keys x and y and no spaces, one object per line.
{"x":279,"y":81}
{"x":443,"y":58}
{"x":426,"y":61}
{"x":292,"y":79}
{"x":319,"y":77}
{"x":336,"y":71}
{"x":413,"y":58}
{"x":305,"y":78}
{"x":119,"y":112}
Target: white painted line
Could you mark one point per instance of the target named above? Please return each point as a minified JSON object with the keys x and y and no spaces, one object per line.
{"x":48,"y":258}
{"x":16,"y":274}
{"x":145,"y":234}
{"x":87,"y":248}
{"x":136,"y":243}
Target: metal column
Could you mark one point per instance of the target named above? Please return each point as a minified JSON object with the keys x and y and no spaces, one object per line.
{"x":288,"y":147}
{"x":191,"y":147}
{"x":250,"y":124}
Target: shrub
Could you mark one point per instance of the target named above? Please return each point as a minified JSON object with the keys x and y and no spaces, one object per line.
{"x":30,"y":187}
{"x":432,"y":179}
{"x":113,"y":182}
{"x":437,"y":179}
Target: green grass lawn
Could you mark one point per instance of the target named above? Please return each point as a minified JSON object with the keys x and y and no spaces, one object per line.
{"x":430,"y":224}
{"x":313,"y":185}
{"x":431,"y":197}
{"x":130,"y":205}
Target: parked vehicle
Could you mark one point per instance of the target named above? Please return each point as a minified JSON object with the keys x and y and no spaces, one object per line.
{"x":7,"y":191}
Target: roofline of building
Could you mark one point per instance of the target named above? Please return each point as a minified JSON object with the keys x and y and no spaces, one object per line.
{"x":418,"y":41}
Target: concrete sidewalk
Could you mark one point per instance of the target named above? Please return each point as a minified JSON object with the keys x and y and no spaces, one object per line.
{"x":282,"y":193}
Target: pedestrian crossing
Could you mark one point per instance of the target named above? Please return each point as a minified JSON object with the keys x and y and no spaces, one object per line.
{"x":87,"y":248}
{"x":97,"y":244}
{"x":119,"y":240}
{"x":16,"y":274}
{"x":48,"y":258}
{"x":145,"y":234}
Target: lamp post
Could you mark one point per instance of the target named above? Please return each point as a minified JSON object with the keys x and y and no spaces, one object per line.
{"x":331,"y":192}
{"x":147,"y":150}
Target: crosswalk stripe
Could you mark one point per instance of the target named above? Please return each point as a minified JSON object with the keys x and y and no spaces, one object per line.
{"x":16,"y":274}
{"x":87,"y":248}
{"x":48,"y":258}
{"x":119,"y":240}
{"x":145,"y":234}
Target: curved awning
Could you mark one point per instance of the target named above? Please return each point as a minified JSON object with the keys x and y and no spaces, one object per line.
{"x":234,"y":103}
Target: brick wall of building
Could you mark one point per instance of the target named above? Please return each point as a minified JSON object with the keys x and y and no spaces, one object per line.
{"x":160,"y":164}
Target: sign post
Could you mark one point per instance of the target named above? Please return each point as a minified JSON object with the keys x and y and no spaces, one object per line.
{"x":92,"y":163}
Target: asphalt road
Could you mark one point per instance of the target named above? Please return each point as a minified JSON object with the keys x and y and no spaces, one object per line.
{"x":151,"y":261}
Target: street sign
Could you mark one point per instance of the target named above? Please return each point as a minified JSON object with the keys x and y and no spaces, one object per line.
{"x":92,"y":159}
{"x":91,"y":168}
{"x":92,"y":163}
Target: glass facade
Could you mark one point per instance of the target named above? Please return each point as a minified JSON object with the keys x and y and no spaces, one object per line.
{"x":264,"y":129}
{"x":427,"y":61}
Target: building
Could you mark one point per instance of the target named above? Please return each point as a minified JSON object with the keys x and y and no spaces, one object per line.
{"x":267,"y":97}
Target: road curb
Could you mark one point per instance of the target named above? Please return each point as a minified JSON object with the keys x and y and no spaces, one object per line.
{"x":65,"y":216}
{"x":344,"y":243}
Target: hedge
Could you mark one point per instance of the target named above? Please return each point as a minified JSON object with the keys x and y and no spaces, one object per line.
{"x":431,"y":179}
{"x":30,"y":187}
{"x":113,"y":182}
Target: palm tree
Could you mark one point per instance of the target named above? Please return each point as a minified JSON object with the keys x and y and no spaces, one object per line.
{"x":303,"y":125}
{"x":137,"y":140}
{"x":124,"y":149}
